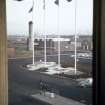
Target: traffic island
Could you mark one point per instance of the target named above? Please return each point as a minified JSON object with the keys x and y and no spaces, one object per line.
{"x":39,"y":65}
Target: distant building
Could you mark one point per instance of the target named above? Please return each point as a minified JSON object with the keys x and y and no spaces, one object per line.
{"x":29,"y":40}
{"x":84,"y":42}
{"x":67,"y":43}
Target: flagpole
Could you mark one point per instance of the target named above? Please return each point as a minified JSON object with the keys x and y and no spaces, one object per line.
{"x":75,"y":38}
{"x":59,"y":59}
{"x":33,"y":52}
{"x":45,"y":43}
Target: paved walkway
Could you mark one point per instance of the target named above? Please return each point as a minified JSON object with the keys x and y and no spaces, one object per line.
{"x":57,"y":100}
{"x":72,"y":72}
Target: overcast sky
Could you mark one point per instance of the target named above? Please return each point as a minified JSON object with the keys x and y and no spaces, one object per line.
{"x":18,"y":17}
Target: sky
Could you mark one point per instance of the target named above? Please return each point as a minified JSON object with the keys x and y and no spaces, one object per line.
{"x":18,"y":17}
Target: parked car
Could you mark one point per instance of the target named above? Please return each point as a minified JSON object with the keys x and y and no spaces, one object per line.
{"x":86,"y":82}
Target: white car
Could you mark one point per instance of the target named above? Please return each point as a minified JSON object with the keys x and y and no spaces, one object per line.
{"x":86,"y":82}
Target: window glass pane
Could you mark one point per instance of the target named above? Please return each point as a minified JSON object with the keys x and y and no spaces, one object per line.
{"x":50,"y":52}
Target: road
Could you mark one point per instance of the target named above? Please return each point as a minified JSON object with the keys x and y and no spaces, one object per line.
{"x":23,"y":83}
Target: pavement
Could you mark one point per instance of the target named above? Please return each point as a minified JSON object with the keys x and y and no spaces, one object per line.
{"x":55,"y":99}
{"x":22,"y":83}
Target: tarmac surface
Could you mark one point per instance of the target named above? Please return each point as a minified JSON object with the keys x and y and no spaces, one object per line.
{"x":23,"y":83}
{"x":55,"y":99}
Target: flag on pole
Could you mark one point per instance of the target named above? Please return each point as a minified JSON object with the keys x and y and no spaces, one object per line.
{"x":31,"y":9}
{"x":57,"y":2}
{"x":44,"y":4}
{"x":18,"y":0}
{"x":69,"y":0}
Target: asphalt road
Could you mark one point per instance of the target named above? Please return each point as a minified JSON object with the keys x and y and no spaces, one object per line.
{"x":23,"y":83}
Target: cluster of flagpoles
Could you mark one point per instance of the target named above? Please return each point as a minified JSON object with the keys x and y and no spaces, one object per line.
{"x":57,"y":2}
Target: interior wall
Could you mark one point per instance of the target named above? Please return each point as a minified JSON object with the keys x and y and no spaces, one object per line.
{"x":3,"y":55}
{"x":102,"y":53}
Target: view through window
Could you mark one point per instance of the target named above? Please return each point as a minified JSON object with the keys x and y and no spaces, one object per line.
{"x":50,"y":52}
